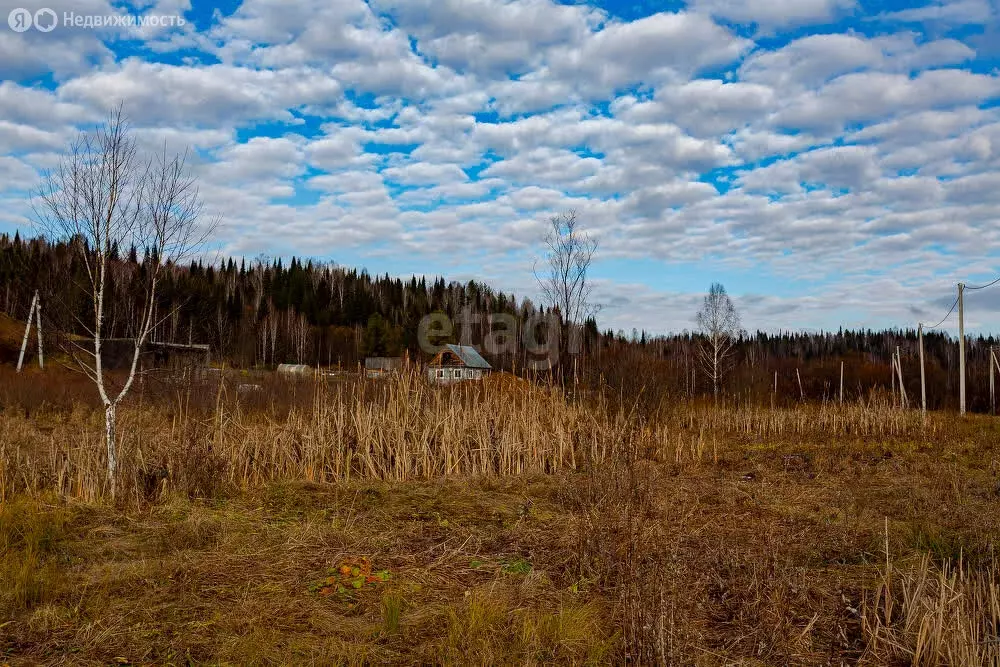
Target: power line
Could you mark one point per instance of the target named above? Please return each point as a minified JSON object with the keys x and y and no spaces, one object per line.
{"x":984,"y":286}
{"x":950,"y":311}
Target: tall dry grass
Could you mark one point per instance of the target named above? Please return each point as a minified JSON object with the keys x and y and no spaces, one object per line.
{"x":935,"y":614}
{"x":207,"y":438}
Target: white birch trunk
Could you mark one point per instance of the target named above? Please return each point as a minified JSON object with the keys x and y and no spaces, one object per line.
{"x":109,"y":438}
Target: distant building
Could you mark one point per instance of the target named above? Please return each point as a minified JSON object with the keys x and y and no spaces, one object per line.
{"x":376,"y":367}
{"x":456,"y":363}
{"x":294,"y":369}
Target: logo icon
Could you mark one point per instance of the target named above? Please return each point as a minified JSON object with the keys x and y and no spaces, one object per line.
{"x":19,"y":19}
{"x":45,"y":20}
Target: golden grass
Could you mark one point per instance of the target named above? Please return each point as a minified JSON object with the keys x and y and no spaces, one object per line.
{"x":931,"y":613}
{"x":518,"y":528}
{"x":403,"y":429}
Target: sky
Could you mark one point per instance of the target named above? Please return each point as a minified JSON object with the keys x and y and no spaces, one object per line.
{"x":834,"y":163}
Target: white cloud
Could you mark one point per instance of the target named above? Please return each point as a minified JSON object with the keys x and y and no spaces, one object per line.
{"x":491,"y":38}
{"x":956,"y":12}
{"x":446,"y":132}
{"x":875,"y":96}
{"x":770,"y":14}
{"x":647,"y":50}
{"x":219,"y":95}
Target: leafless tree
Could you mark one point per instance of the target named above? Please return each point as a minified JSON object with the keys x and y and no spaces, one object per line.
{"x":720,"y":325}
{"x":569,"y":254}
{"x":105,"y":196}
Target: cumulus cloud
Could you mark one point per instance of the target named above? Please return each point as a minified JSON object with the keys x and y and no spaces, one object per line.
{"x":770,"y":14}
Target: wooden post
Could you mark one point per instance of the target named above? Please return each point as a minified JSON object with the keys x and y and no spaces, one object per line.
{"x":38,"y":330}
{"x":923,"y":382}
{"x":994,"y":362}
{"x":902,"y":390}
{"x":961,"y":350}
{"x":892,"y":373}
{"x":802,"y":394}
{"x":841,"y":382}
{"x":992,"y":392}
{"x":27,"y":330}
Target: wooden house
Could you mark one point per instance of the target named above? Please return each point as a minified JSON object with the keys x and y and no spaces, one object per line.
{"x":457,"y":363}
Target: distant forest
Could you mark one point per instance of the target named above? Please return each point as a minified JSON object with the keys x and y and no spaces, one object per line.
{"x":263,"y":312}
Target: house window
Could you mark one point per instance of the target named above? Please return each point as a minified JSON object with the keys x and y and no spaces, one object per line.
{"x":440,"y":374}
{"x":458,"y":373}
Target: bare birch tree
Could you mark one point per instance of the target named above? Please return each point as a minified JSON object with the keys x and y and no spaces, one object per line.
{"x":719,"y":323}
{"x":564,"y":283}
{"x":105,"y":196}
{"x":569,"y":253}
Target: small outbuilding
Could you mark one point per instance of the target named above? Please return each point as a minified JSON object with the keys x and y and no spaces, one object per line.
{"x":294,"y":369}
{"x":376,"y":367}
{"x":457,"y":363}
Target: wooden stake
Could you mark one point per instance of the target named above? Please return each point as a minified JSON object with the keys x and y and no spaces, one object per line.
{"x":802,"y":394}
{"x":27,"y":330}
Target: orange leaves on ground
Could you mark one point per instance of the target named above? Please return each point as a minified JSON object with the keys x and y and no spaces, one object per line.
{"x":351,"y":575}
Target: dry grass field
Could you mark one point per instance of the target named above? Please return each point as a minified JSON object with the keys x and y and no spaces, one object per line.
{"x":394,"y":523}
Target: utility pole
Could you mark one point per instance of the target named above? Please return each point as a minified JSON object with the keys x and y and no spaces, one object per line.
{"x":993,"y":362}
{"x":992,"y":392}
{"x":923,"y":383}
{"x":961,"y":350}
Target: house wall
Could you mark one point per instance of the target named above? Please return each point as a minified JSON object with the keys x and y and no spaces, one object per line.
{"x":449,"y":374}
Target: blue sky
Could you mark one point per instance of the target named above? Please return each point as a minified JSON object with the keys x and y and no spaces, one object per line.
{"x":832,"y":162}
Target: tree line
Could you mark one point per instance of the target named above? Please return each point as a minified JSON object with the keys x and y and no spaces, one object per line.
{"x":268,"y":311}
